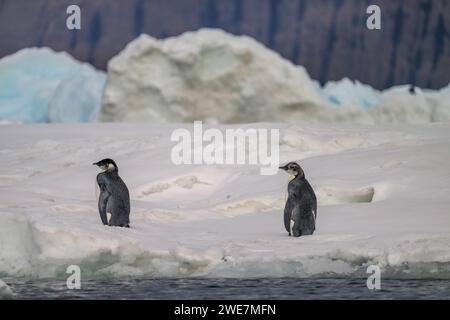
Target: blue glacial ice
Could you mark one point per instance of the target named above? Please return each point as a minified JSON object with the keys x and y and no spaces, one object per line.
{"x":41,"y":85}
{"x":346,"y":92}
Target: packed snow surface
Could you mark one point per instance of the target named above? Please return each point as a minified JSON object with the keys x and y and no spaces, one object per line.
{"x":40,"y":85}
{"x":214,"y":76}
{"x":383,"y":199}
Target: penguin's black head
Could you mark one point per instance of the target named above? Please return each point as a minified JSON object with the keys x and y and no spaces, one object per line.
{"x":106,"y":165}
{"x":294,"y":169}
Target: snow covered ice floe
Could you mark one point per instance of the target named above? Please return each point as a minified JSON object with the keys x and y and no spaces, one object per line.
{"x":382,"y":191}
{"x":218,"y":77}
{"x":40,"y":85}
{"x":5,"y":291}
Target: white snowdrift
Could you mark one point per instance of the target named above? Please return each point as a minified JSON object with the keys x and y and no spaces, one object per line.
{"x":383,"y":199}
{"x":40,"y":85}
{"x":214,"y":76}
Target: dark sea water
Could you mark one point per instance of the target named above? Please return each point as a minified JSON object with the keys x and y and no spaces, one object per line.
{"x":267,"y":288}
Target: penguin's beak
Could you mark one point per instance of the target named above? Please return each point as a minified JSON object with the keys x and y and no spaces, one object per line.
{"x":283,"y":168}
{"x":95,"y":164}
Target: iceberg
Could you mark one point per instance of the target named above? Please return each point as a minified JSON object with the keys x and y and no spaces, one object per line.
{"x":207,"y":75}
{"x":40,"y":85}
{"x":214,"y":76}
{"x":204,"y":75}
{"x":350,"y":93}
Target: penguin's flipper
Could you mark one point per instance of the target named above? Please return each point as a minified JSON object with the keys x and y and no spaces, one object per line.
{"x":295,"y":221}
{"x":102,"y":204}
{"x":287,"y":217}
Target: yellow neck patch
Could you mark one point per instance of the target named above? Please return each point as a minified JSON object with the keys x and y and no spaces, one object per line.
{"x":291,"y":178}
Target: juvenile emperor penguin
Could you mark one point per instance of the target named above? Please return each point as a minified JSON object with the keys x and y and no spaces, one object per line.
{"x":114,"y":199}
{"x":300,"y":211}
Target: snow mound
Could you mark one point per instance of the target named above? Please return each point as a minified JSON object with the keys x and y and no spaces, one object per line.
{"x":40,"y":85}
{"x":5,"y":291}
{"x":214,"y":76}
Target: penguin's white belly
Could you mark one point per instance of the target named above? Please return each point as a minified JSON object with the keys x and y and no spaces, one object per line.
{"x":292,"y":226}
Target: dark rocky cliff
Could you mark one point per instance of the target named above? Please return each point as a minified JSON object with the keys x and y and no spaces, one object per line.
{"x":328,"y":37}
